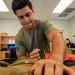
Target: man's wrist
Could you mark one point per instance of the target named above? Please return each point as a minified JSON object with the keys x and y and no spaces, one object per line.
{"x":57,"y":58}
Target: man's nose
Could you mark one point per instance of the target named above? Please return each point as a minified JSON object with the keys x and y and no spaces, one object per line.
{"x":25,"y":19}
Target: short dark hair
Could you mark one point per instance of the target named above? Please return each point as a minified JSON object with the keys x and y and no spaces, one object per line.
{"x":18,"y":4}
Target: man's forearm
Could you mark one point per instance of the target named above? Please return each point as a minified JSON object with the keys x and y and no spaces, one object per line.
{"x":58,"y":49}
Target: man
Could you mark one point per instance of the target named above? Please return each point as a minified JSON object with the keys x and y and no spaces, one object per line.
{"x":33,"y":40}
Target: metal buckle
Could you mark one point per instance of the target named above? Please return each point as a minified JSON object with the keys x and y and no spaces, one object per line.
{"x":27,"y":62}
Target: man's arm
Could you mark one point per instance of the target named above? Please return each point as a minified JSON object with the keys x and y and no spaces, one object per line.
{"x":54,"y":65}
{"x":58,"y":45}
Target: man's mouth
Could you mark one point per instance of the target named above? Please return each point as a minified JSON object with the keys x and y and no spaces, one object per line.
{"x":28,"y":24}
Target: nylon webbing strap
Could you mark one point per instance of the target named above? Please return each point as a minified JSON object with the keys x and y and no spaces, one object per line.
{"x":35,"y":35}
{"x":35,"y":39}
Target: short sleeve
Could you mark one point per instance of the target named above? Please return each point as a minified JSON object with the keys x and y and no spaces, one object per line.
{"x":47,"y":27}
{"x":20,"y":48}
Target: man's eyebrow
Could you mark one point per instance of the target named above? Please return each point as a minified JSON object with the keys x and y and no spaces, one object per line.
{"x":27,"y":12}
{"x":19,"y":16}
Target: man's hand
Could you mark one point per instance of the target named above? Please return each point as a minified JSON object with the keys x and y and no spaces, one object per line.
{"x":47,"y":67}
{"x":35,"y":53}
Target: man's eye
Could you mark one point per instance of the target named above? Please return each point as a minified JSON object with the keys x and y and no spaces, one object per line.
{"x":28,"y":14}
{"x":21,"y":17}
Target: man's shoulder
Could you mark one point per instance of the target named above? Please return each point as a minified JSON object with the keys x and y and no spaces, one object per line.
{"x":43,"y":24}
{"x":20,"y":32}
{"x":42,"y":21}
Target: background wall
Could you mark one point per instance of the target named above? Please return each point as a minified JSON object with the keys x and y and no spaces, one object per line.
{"x":63,"y":26}
{"x":72,"y":29}
{"x":12,"y":26}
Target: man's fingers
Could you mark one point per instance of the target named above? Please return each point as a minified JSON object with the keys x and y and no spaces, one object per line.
{"x":35,"y":56}
{"x":37,"y":68}
{"x":59,"y":69}
{"x":34,"y":53}
{"x":49,"y":68}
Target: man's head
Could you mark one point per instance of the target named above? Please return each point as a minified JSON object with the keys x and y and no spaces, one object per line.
{"x":25,"y":13}
{"x":19,"y":4}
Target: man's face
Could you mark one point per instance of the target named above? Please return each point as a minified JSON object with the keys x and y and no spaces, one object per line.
{"x":26,"y":18}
